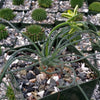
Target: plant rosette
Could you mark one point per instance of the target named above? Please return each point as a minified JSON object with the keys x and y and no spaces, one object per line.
{"x":53,"y":8}
{"x":65,"y":5}
{"x":49,"y":20}
{"x":25,"y":7}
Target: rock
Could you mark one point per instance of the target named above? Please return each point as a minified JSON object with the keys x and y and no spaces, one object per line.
{"x":56,"y":89}
{"x":30,"y":76}
{"x":41,"y":93}
{"x":56,"y":77}
{"x":52,"y":82}
{"x":82,"y":76}
{"x":32,"y":80}
{"x":29,"y":94}
{"x":67,"y":84}
{"x":30,"y":68}
{"x":48,"y":82}
{"x":84,"y":68}
{"x":61,"y":82}
{"x":41,"y":77}
{"x":25,"y":83}
{"x":6,"y":56}
{"x":36,"y":71}
{"x":23,"y":72}
{"x":22,"y":64}
{"x":66,"y":69}
{"x":30,"y":89}
{"x":16,"y":61}
{"x":75,"y":65}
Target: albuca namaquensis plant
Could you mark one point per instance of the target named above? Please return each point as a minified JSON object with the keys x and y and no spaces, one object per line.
{"x":45,"y":3}
{"x":76,"y":2}
{"x":3,"y":32}
{"x":95,"y":6}
{"x":39,"y":14}
{"x":18,"y":2}
{"x":7,"y":13}
{"x":35,"y":32}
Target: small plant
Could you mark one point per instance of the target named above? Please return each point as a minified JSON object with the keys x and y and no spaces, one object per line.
{"x":0,"y":51}
{"x":10,"y":93}
{"x":71,"y":13}
{"x":45,"y":3}
{"x":7,"y":14}
{"x":95,"y":6}
{"x":39,"y":14}
{"x":18,"y":2}
{"x":3,"y":32}
{"x":75,"y":26}
{"x":76,"y":2}
{"x":35,"y":33}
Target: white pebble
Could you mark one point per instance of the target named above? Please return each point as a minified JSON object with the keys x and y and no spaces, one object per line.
{"x":29,"y":94}
{"x":56,"y":89}
{"x":56,"y":78}
{"x":41,"y":93}
{"x":84,"y":68}
{"x":48,"y":82}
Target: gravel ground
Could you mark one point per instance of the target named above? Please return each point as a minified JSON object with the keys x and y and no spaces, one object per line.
{"x":20,"y":42}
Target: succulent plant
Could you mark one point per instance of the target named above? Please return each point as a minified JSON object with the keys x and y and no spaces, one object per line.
{"x":70,"y":13}
{"x":45,"y":3}
{"x":76,"y":2}
{"x":35,"y":32}
{"x":7,"y":14}
{"x":10,"y":93}
{"x":18,"y":2}
{"x":3,"y":32}
{"x":39,"y":14}
{"x":95,"y":6}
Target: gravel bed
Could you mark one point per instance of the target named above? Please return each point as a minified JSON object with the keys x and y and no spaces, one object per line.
{"x":9,"y":4}
{"x":95,"y":19}
{"x":35,"y":84}
{"x":31,"y":78}
{"x":49,"y":20}
{"x":53,"y":8}
{"x":18,"y":18}
{"x":25,"y":77}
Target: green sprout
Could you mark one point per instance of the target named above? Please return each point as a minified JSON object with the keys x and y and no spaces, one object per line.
{"x":10,"y":93}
